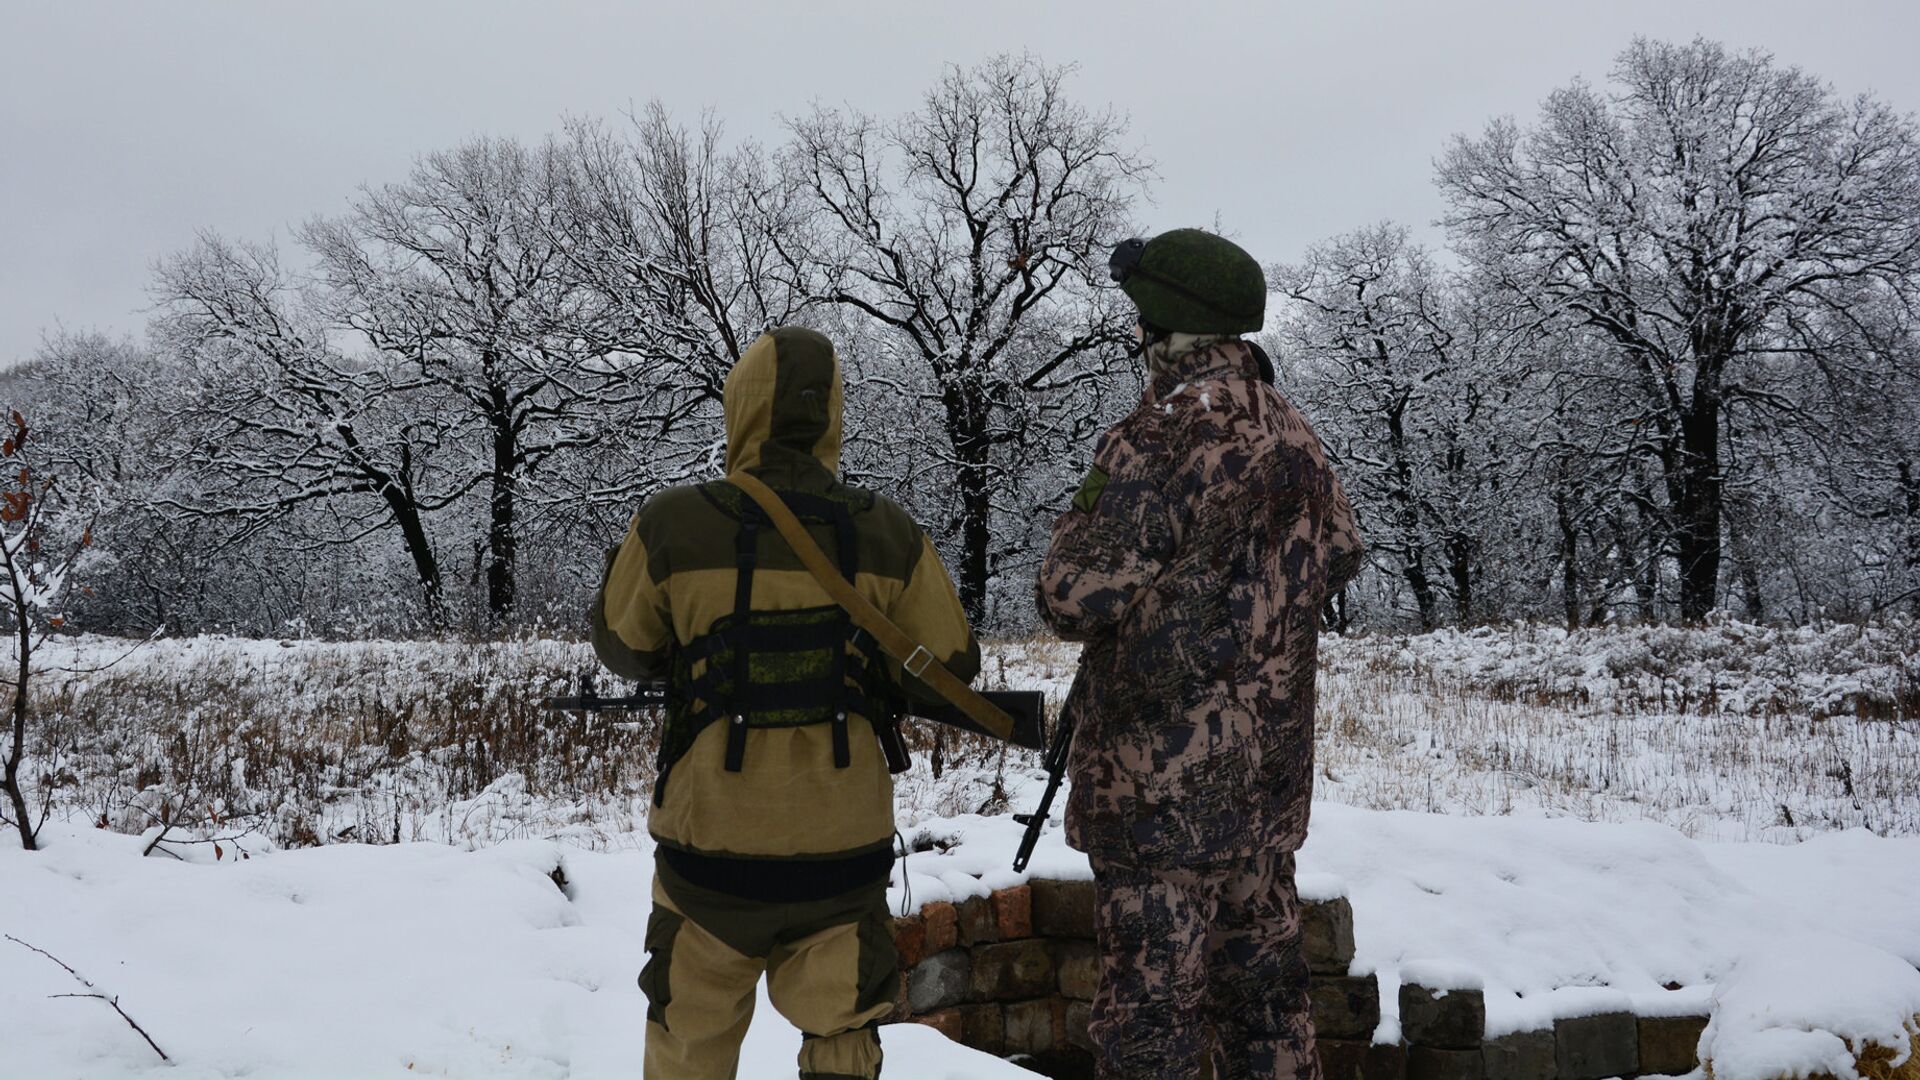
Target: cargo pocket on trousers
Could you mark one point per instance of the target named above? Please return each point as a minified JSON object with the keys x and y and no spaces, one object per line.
{"x":662,"y":927}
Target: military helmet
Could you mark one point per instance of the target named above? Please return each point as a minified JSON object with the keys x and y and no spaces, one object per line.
{"x":1191,"y":281}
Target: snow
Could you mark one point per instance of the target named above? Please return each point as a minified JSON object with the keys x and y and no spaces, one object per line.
{"x":1574,"y":822}
{"x":1442,"y":975}
{"x":353,"y":960}
{"x":1553,"y":918}
{"x":1793,"y":1008}
{"x":439,"y":960}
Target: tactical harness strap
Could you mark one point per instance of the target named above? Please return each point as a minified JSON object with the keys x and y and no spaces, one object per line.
{"x":848,"y":544}
{"x":746,"y":556}
{"x":915,"y":659}
{"x":731,"y":648}
{"x":780,"y":668}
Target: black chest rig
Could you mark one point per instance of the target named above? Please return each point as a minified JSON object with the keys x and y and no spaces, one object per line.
{"x":768,"y":669}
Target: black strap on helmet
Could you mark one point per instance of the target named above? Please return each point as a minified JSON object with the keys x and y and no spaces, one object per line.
{"x":1124,"y":263}
{"x":1125,"y":259}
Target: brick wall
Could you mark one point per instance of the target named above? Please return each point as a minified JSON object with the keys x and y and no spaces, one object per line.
{"x":1010,"y":974}
{"x":1014,"y":973}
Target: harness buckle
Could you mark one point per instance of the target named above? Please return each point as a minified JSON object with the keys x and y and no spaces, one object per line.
{"x":921,"y":655}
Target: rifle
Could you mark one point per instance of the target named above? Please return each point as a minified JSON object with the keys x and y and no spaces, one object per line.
{"x":1027,"y":707}
{"x":1056,"y":770}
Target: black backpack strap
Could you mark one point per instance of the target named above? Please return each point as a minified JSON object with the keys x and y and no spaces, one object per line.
{"x":746,"y":557}
{"x":848,"y":543}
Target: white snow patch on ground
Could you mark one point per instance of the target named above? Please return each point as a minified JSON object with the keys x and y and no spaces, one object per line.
{"x":1785,"y":1010}
{"x":351,"y":960}
{"x":363,"y":960}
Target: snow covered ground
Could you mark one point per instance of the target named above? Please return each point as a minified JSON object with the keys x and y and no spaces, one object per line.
{"x":352,"y":961}
{"x":426,"y":959}
{"x":1628,"y":818}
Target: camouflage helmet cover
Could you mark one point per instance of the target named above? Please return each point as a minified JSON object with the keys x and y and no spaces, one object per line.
{"x":1191,"y":281}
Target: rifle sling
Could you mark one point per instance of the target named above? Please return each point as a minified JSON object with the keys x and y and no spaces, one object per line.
{"x":892,"y":640}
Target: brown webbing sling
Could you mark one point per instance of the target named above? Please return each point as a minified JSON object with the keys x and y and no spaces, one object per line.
{"x":895,"y":642}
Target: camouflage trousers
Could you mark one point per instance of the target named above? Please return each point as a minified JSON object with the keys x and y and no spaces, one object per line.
{"x":1197,"y":959}
{"x":829,"y":966}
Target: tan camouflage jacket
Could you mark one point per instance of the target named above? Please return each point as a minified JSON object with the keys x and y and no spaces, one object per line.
{"x":1194,"y":563}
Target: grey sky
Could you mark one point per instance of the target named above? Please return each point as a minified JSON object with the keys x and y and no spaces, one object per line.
{"x":126,"y":127}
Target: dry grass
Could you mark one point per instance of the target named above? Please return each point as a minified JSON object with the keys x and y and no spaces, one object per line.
{"x":316,"y":743}
{"x":1734,"y":734}
{"x":1727,"y":733}
{"x":1876,"y":1062}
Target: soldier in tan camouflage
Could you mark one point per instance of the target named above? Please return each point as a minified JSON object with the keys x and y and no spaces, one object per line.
{"x":1194,"y":563}
{"x":773,"y":804}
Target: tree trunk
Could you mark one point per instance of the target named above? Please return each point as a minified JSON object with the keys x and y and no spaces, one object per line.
{"x":1333,"y":613}
{"x":1414,"y":569}
{"x":504,"y":487}
{"x":1697,"y":508}
{"x":1569,"y":563}
{"x":1740,"y":539}
{"x":500,"y":517}
{"x":1460,"y":566}
{"x":1910,"y":540}
{"x":1407,"y":513}
{"x":426,"y":566}
{"x":1643,"y":566}
{"x":413,"y":532}
{"x":16,"y":752}
{"x":401,"y":502}
{"x":976,"y":510}
{"x":967,"y":425}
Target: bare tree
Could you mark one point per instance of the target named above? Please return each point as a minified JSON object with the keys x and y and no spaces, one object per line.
{"x":282,"y":420}
{"x":1409,"y":381}
{"x":463,"y":275}
{"x":1697,"y":218}
{"x":971,"y":235}
{"x":672,"y":224}
{"x":41,"y":543}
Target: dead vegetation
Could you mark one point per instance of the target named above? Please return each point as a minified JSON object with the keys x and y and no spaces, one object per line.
{"x":213,"y":747}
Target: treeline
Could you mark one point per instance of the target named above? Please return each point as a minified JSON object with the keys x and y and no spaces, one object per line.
{"x":1665,"y":367}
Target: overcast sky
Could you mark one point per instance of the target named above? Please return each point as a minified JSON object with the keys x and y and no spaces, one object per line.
{"x":126,"y":127}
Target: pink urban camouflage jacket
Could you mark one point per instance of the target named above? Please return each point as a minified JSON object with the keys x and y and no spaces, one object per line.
{"x":1194,"y":563}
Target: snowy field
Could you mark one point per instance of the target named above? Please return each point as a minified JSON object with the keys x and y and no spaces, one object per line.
{"x":1734,"y":732}
{"x":1630,"y":818}
{"x":352,"y":961}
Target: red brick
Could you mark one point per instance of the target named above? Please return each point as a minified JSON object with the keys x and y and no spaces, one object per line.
{"x":1063,"y":908}
{"x":1360,"y":1059}
{"x":910,"y":940}
{"x":942,"y":926}
{"x":1079,"y":1016}
{"x":1037,"y":1026}
{"x":947,"y":1022}
{"x":976,"y":922}
{"x":1013,"y":971}
{"x":985,"y":1028}
{"x":1013,"y":912}
{"x":1079,"y":964}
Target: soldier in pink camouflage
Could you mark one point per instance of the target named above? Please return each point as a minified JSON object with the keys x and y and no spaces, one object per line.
{"x":1194,"y":564}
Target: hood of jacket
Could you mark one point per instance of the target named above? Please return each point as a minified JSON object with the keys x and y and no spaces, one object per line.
{"x":783,"y":404}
